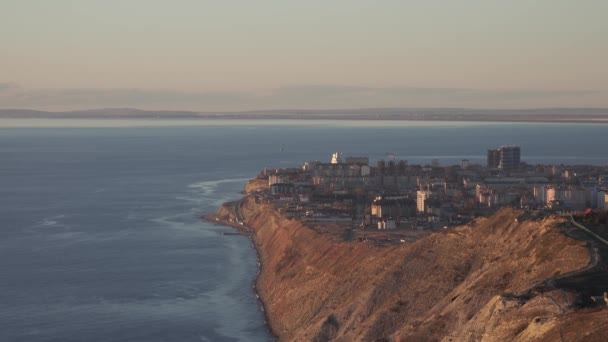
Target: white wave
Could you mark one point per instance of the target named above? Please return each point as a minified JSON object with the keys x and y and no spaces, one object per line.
{"x":52,"y":221}
{"x":196,"y":200}
{"x":182,"y":222}
{"x":169,"y":220}
{"x":208,"y":187}
{"x":48,"y":223}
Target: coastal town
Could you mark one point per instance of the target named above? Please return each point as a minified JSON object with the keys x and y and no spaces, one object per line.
{"x":407,"y":201}
{"x":534,"y":235}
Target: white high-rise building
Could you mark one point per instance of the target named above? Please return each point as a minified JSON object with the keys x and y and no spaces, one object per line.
{"x":421,"y":196}
{"x":602,"y":199}
{"x":336,"y":158}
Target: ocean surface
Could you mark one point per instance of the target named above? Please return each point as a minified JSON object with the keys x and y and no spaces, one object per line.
{"x":100,"y":236}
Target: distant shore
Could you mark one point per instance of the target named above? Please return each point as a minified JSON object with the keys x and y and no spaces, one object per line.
{"x":544,"y":115}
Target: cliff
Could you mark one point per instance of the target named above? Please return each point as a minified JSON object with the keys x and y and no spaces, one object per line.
{"x":482,"y":281}
{"x":256,"y":184}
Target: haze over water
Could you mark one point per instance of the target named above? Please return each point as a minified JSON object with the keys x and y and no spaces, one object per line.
{"x":244,"y":55}
{"x":99,"y":232}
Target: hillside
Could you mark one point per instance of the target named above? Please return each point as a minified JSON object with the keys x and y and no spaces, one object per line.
{"x":474,"y":282}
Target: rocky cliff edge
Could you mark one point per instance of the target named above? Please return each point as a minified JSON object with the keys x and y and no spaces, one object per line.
{"x":485,"y":281}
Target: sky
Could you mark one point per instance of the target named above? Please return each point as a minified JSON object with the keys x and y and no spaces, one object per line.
{"x":235,"y":55}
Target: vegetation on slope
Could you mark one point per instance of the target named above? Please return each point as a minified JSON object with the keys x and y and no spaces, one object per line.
{"x":475,"y":282}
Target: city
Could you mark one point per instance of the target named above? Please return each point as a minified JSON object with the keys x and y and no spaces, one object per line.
{"x":534,"y":236}
{"x":394,"y":194}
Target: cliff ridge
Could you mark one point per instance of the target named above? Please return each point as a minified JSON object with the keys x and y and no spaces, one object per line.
{"x":483,"y":281}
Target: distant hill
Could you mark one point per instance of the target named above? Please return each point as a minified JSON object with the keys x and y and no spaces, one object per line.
{"x":591,"y":115}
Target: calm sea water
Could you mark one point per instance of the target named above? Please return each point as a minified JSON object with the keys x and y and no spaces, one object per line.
{"x":99,"y":232}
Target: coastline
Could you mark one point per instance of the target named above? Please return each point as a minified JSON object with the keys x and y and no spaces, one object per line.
{"x":306,"y":283}
{"x":213,"y":218}
{"x":79,"y":122}
{"x":263,"y":305}
{"x":590,"y":115}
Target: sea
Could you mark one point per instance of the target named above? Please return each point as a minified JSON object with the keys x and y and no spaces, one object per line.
{"x":100,"y":230}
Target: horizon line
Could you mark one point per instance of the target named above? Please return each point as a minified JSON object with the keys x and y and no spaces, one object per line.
{"x":93,"y":109}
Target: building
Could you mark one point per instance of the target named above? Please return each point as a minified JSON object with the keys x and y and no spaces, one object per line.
{"x":570,"y":197}
{"x":310,"y":165}
{"x":381,"y":166}
{"x":387,"y":224}
{"x":510,"y":157}
{"x":277,"y":179}
{"x":603,"y":202}
{"x":336,"y":158}
{"x":506,"y":158}
{"x":493,"y":158}
{"x":357,"y":161}
{"x":393,"y":206}
{"x":282,"y":189}
{"x":421,"y":196}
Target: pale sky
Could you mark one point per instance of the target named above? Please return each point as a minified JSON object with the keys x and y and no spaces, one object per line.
{"x":243,"y":55}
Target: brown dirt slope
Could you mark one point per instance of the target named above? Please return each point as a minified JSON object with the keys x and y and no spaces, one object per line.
{"x":468,"y":283}
{"x":255,"y":184}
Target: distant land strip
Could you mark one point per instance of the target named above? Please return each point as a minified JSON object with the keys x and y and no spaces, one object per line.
{"x":553,"y":115}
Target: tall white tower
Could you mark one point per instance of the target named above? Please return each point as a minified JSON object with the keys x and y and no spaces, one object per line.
{"x":336,"y":158}
{"x":421,"y":196}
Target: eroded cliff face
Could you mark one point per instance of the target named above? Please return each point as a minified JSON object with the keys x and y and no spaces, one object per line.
{"x":256,"y":184}
{"x":467,"y":283}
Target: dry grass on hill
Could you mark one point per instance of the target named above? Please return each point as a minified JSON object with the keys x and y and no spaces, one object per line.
{"x":451,"y":285}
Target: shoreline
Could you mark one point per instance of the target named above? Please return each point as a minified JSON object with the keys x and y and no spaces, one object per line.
{"x":213,"y":218}
{"x":322,"y":292}
{"x":589,"y":115}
